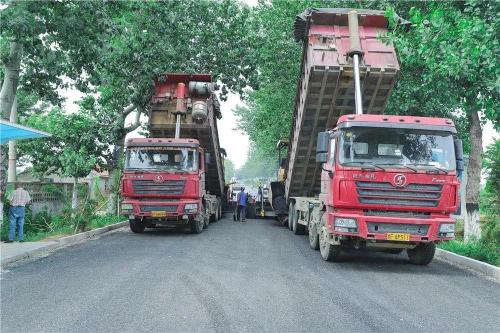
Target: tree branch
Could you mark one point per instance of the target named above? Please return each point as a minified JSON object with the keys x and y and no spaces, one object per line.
{"x":129,"y":109}
{"x":136,"y":123}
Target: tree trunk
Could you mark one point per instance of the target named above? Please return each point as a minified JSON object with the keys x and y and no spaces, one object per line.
{"x":12,"y":175}
{"x":114,"y":176}
{"x":74,"y":195}
{"x":12,"y":68}
{"x":472,"y":228}
{"x":3,"y":178}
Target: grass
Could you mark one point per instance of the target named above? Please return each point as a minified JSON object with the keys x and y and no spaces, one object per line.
{"x":479,"y":250}
{"x":487,"y":249}
{"x":60,"y":226}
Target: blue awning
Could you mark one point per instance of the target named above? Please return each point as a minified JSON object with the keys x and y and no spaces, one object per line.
{"x":10,"y":131}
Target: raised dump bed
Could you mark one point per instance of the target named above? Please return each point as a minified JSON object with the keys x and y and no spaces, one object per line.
{"x":325,"y":90}
{"x":162,"y":119}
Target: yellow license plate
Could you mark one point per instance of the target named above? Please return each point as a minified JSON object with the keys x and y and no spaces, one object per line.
{"x":398,"y":237}
{"x":158,"y":214}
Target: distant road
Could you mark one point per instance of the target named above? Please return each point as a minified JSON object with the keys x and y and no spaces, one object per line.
{"x":252,"y":277}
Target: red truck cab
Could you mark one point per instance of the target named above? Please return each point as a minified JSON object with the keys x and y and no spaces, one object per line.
{"x":389,"y":182}
{"x":163,"y":183}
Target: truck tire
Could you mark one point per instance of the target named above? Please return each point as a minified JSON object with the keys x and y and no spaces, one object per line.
{"x":291,"y":213}
{"x":298,"y":229}
{"x":313,"y":236}
{"x":422,"y":254}
{"x":197,"y":226}
{"x":328,"y":251}
{"x":136,"y":226}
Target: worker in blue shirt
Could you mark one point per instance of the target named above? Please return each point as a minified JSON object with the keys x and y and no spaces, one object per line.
{"x":241,"y":200}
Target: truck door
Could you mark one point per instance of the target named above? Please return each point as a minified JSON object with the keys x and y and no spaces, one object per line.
{"x":329,"y":172}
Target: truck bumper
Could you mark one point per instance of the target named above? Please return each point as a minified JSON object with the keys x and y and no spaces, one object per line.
{"x":378,"y":228}
{"x":161,"y":212}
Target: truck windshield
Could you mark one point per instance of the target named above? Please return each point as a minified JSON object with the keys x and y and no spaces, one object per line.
{"x":162,"y":158}
{"x":396,"y":147}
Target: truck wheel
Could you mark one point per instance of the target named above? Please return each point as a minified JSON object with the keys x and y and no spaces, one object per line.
{"x":291,"y":212}
{"x":328,"y":251}
{"x":298,"y":228}
{"x":313,"y":236}
{"x":136,"y":226}
{"x":422,"y":254}
{"x":197,"y":226}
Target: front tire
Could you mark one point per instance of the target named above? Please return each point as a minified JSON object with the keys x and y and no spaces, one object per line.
{"x":197,"y":226}
{"x":422,"y":254}
{"x":136,"y":226}
{"x":328,"y":251}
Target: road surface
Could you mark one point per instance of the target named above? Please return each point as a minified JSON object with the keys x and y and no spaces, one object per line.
{"x":241,"y":277}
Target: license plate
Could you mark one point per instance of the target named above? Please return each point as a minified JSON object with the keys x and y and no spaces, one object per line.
{"x":158,"y":214}
{"x":398,"y":237}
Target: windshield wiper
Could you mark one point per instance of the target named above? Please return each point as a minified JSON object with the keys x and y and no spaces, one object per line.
{"x":362,"y":162}
{"x":401,"y":165}
{"x":430,"y":165}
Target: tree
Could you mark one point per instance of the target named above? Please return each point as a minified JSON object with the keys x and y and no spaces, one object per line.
{"x":46,"y":45}
{"x":161,"y":37}
{"x":228,"y":169}
{"x":257,"y":166}
{"x":73,"y":149}
{"x":456,"y":45}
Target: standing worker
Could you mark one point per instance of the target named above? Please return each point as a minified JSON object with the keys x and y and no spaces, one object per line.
{"x":18,"y":200}
{"x":241,"y":200}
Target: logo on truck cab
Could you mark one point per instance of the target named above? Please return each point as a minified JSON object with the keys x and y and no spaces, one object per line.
{"x":400,"y":180}
{"x":158,"y":179}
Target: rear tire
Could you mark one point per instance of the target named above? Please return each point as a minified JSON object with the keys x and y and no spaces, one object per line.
{"x":291,"y":213}
{"x":422,"y":254}
{"x":298,"y":229}
{"x":136,"y":226}
{"x":328,"y":251}
{"x":313,"y":236}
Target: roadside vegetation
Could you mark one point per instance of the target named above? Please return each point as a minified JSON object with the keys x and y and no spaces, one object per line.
{"x":486,"y":248}
{"x":86,"y":216}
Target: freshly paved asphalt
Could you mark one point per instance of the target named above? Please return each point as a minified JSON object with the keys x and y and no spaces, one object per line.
{"x":253,"y":276}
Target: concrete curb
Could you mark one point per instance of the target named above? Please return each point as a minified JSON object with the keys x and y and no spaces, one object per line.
{"x":490,"y":271}
{"x":64,"y":241}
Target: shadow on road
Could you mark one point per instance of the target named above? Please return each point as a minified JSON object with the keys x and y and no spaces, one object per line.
{"x":372,"y":261}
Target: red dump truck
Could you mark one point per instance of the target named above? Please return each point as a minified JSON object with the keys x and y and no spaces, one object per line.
{"x":176,"y":177}
{"x":355,"y":178}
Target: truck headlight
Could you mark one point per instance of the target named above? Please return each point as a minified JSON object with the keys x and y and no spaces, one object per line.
{"x":127,"y":207}
{"x":191,"y":207}
{"x":447,"y":227}
{"x":345,"y":224}
{"x":447,"y":230}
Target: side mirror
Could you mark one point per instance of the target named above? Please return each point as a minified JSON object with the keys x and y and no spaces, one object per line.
{"x":459,"y":149}
{"x":323,"y":142}
{"x":208,"y":158}
{"x":321,"y":157}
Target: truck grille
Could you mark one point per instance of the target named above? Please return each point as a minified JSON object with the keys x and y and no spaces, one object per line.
{"x":384,"y":193}
{"x":151,"y":208}
{"x":412,"y":229}
{"x":166,"y":187}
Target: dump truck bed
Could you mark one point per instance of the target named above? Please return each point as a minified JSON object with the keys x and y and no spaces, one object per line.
{"x":325,"y":90}
{"x":162,"y":120}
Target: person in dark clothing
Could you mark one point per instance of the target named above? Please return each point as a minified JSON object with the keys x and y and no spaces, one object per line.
{"x":241,"y":200}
